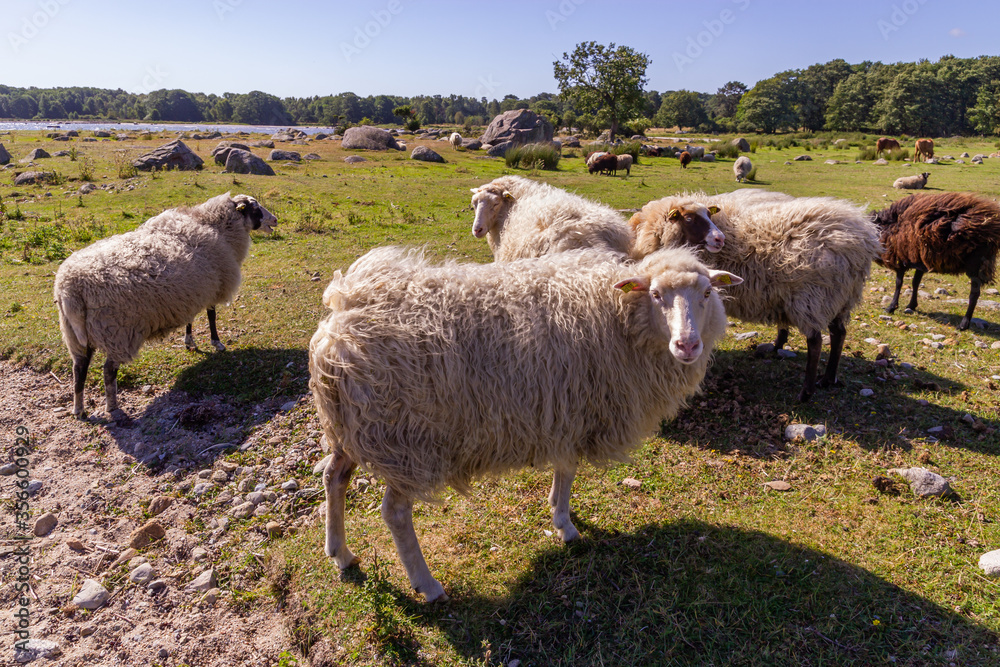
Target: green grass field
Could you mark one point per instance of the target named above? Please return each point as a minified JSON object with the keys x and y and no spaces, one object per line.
{"x":702,"y":564}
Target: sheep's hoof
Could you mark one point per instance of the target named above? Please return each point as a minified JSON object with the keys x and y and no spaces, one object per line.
{"x":434,"y":593}
{"x":964,"y":324}
{"x":824,"y":383}
{"x":804,"y":396}
{"x":190,"y":344}
{"x":217,"y":344}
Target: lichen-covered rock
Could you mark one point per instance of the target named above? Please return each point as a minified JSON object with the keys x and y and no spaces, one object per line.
{"x":425,"y":154}
{"x":519,"y":126}
{"x":221,"y":152}
{"x":923,"y":482}
{"x":368,"y":138}
{"x":172,"y":155}
{"x":279,"y":154}
{"x":244,"y":162}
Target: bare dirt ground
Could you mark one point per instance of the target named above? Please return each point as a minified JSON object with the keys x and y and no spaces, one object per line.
{"x":103,"y":480}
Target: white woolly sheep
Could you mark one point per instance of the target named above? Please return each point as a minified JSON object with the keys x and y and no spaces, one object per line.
{"x":595,"y":156}
{"x":804,"y":260}
{"x":524,"y":218}
{"x":123,"y":290}
{"x":625,"y":162}
{"x":911,"y":182}
{"x":455,"y":139}
{"x":431,"y":376}
{"x":742,"y":168}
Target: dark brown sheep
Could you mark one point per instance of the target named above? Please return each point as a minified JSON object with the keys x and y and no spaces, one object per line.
{"x":685,"y":159}
{"x":605,"y":164}
{"x":951,"y":232}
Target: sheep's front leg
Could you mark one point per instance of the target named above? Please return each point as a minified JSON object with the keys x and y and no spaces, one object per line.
{"x":189,"y":338}
{"x":216,"y":343}
{"x":912,"y":306}
{"x":815,"y":345}
{"x":973,"y":300}
{"x":838,"y":334}
{"x":397,"y":512}
{"x":81,"y":362}
{"x":111,"y":385}
{"x":336,"y":477}
{"x":562,"y":481}
{"x":895,"y":295}
{"x":781,"y":339}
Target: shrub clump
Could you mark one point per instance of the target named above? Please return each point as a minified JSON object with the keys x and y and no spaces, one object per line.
{"x":533,"y":156}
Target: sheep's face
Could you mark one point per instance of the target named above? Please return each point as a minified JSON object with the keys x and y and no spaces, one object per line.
{"x":681,"y":303}
{"x":697,"y":227}
{"x":256,"y":215}
{"x":489,"y":206}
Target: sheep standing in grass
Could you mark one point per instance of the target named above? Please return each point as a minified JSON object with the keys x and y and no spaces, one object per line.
{"x":524,"y":218}
{"x":911,"y":182}
{"x":742,"y":168}
{"x":951,"y":232}
{"x":804,"y":260}
{"x":432,"y":376}
{"x":625,"y":163}
{"x":685,"y":159}
{"x":455,"y":140}
{"x":126,"y":289}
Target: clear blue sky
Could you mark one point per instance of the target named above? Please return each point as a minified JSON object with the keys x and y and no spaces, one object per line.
{"x":474,"y":48}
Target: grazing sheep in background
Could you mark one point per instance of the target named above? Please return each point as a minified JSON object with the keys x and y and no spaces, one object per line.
{"x":685,"y":159}
{"x":911,"y":182}
{"x":455,"y":139}
{"x":952,"y":232}
{"x":604,"y":164}
{"x":625,"y":162}
{"x":804,"y":260}
{"x":741,"y":168}
{"x":524,"y":218}
{"x":594,"y":156}
{"x":884,"y":145}
{"x":126,"y":289}
{"x":923,"y":148}
{"x":432,"y":376}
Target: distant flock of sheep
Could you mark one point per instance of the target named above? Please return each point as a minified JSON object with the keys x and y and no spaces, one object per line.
{"x":582,"y":335}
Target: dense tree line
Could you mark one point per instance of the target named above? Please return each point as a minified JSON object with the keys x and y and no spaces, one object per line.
{"x":950,"y":96}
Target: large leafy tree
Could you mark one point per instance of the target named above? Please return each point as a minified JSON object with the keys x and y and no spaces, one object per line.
{"x":682,"y":108}
{"x":768,"y":106}
{"x":727,"y":99}
{"x":849,"y":108}
{"x":608,"y":79}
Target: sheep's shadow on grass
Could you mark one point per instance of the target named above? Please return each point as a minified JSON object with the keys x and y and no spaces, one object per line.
{"x":746,"y":402}
{"x":212,"y":405}
{"x":988,"y":315}
{"x":692,"y":593}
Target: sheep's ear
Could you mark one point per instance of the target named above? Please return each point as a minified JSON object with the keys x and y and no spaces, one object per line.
{"x":635,"y":283}
{"x":723,"y":278}
{"x":712,"y":210}
{"x":241,"y":207}
{"x":474,"y":190}
{"x":675,"y":214}
{"x":508,"y":196}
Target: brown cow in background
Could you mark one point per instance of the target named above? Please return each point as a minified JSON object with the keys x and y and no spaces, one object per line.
{"x":884,"y":145}
{"x":923,"y":147}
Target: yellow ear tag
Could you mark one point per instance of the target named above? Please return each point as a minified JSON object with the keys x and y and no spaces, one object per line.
{"x":724,"y":279}
{"x":629,"y":286}
{"x":241,"y":207}
{"x":712,"y":210}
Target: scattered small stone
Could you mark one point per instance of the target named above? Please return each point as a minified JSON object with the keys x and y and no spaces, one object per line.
{"x":160,"y":504}
{"x":275,"y":441}
{"x":883,"y":351}
{"x":199,"y":554}
{"x":995,"y":345}
{"x":990,"y":563}
{"x":631,"y":483}
{"x":923,"y":402}
{"x":125,"y":557}
{"x":163,"y":654}
{"x":142,"y":575}
{"x":146,"y":534}
{"x":923,"y":482}
{"x":92,"y":595}
{"x":778,"y":485}
{"x":746,"y":335}
{"x":156,"y":586}
{"x":203,"y":582}
{"x":76,"y":545}
{"x":34,"y":486}
{"x":872,"y":341}
{"x":274,"y":529}
{"x":290,"y":485}
{"x":786,"y":354}
{"x":8,"y":469}
{"x":211,"y":597}
{"x":804,"y":432}
{"x":866,"y":392}
{"x":44,"y":524}
{"x":289,"y":406}
{"x":87,"y":630}
{"x":242,"y":511}
{"x":202,"y":488}
{"x":33,"y":649}
{"x":220,"y":476}
{"x":968,"y":419}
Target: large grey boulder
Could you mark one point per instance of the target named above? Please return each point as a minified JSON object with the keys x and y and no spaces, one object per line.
{"x":741,"y":144}
{"x":290,"y":134}
{"x":499,"y":150}
{"x":425,"y":154}
{"x":4,"y":155}
{"x":173,"y":155}
{"x":221,"y":152}
{"x":472,"y":144}
{"x":278,"y":154}
{"x":239,"y":161}
{"x":521,"y":126}
{"x":36,"y":154}
{"x":32,"y":177}
{"x":366,"y":137}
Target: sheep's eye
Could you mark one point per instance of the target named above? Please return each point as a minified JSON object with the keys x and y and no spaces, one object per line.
{"x":708,"y":293}
{"x":655,"y":295}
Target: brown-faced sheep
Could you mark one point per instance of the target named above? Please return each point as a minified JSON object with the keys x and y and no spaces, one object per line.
{"x":127,"y":289}
{"x":951,"y":232}
{"x":685,"y":159}
{"x":604,"y":164}
{"x":911,"y":182}
{"x":432,"y":376}
{"x":804,"y":261}
{"x":524,"y":218}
